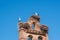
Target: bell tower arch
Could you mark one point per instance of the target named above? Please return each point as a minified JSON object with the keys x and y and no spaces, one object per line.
{"x":34,"y":20}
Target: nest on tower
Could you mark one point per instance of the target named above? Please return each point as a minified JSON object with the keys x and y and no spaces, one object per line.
{"x":36,"y":17}
{"x":44,"y":29}
{"x":24,"y":25}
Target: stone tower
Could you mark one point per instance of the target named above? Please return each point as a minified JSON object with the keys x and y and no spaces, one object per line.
{"x":32,"y":30}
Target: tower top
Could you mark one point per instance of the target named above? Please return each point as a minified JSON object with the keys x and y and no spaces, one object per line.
{"x":32,"y":30}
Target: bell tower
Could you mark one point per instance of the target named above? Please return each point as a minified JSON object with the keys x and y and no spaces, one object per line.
{"x":32,"y":30}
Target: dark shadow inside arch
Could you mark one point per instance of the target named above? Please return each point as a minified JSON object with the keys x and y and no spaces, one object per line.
{"x":39,"y":38}
{"x":30,"y":37}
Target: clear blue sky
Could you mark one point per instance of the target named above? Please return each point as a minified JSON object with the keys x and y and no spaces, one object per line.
{"x":10,"y":10}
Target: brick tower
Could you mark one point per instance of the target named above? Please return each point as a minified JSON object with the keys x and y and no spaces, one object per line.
{"x":32,"y":30}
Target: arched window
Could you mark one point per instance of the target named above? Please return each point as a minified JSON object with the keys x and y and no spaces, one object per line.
{"x":30,"y":37}
{"x":33,"y":26}
{"x":39,"y":38}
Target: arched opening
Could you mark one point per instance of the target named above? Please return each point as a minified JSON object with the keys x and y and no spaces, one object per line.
{"x":30,"y":37}
{"x":33,"y":25}
{"x":39,"y":38}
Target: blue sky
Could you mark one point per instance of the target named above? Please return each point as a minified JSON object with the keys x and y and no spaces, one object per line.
{"x":10,"y":10}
